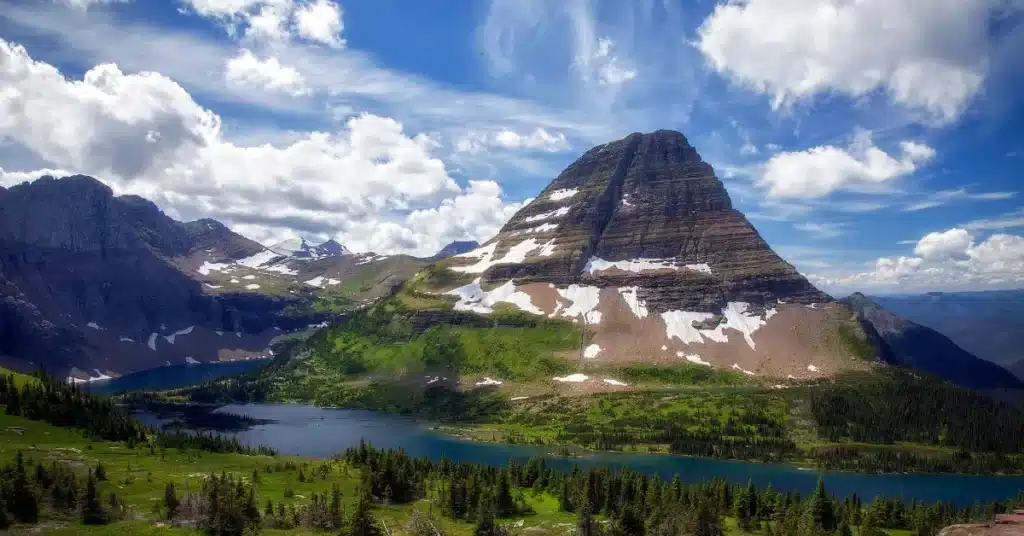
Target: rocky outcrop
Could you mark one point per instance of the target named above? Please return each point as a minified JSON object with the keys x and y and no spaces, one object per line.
{"x":913,"y":345}
{"x":639,"y":240}
{"x":213,"y":237}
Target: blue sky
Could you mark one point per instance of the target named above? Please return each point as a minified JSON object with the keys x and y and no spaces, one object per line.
{"x":876,"y":145}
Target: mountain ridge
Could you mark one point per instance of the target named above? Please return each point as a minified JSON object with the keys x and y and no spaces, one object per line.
{"x":90,"y":281}
{"x":920,"y":347}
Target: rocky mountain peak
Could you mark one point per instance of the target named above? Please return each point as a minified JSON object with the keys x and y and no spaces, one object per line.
{"x":640,"y":238}
{"x":456,"y":248}
{"x":300,"y":248}
{"x":645,"y":209}
{"x":331,"y":248}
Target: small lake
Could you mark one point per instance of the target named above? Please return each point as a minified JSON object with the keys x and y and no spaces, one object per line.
{"x":172,"y":377}
{"x":319,"y":432}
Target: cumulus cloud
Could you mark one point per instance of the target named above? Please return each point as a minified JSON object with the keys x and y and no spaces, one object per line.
{"x":538,"y":140}
{"x":951,"y":259}
{"x":951,"y":244}
{"x":369,"y":184}
{"x":821,"y":170}
{"x":924,"y":54}
{"x":269,"y":74}
{"x":314,"y":21}
{"x":320,"y":21}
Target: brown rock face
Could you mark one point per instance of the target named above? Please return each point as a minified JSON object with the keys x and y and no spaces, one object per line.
{"x":649,"y":196}
{"x":639,"y":240}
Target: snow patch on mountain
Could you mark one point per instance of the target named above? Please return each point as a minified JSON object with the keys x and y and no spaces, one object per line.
{"x":259,"y":259}
{"x":638,"y":306}
{"x":558,"y":213}
{"x":170,"y":338}
{"x":515,"y":255}
{"x":583,"y":301}
{"x":562,"y":194}
{"x":597,"y":264}
{"x":474,"y":298}
{"x":572,"y":378}
{"x":679,"y":324}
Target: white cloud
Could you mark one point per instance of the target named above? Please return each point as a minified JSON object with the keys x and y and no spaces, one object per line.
{"x":320,"y":21}
{"x":1006,"y":221}
{"x":538,"y":140}
{"x":943,"y":197}
{"x":819,"y":171}
{"x":950,"y":259}
{"x":370,"y":184}
{"x":269,"y":74}
{"x":274,"y":21}
{"x":951,"y":244}
{"x":925,"y":54}
{"x":604,"y":67}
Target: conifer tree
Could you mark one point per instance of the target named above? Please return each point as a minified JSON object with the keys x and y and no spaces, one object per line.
{"x":336,"y":513}
{"x":819,"y":515}
{"x":504,"y":502}
{"x":585,"y":525}
{"x":5,"y":517}
{"x":564,"y":503}
{"x":741,"y":511}
{"x":360,"y":522}
{"x":92,"y":509}
{"x":485,"y":525}
{"x":171,"y":501}
{"x":24,"y":503}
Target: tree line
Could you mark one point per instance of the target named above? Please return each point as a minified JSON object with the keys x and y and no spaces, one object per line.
{"x":68,"y":405}
{"x":627,"y":503}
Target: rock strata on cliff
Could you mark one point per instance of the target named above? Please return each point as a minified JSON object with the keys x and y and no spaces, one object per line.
{"x":639,"y":240}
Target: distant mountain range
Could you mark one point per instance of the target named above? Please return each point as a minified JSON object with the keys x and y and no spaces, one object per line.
{"x":987,"y":324}
{"x":916,"y":346}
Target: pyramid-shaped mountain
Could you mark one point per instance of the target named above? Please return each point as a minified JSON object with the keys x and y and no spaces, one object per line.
{"x":639,"y":241}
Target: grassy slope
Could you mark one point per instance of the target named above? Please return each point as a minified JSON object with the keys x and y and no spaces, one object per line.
{"x":19,"y":378}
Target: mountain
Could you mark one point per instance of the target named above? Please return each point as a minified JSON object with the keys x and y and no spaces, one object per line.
{"x":988,"y":324}
{"x":1017,"y":369}
{"x":638,"y":242}
{"x":92,"y":284}
{"x":299,"y":248}
{"x":923,"y":348}
{"x":455,"y":248}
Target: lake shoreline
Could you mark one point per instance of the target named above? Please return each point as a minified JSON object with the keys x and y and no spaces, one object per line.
{"x":450,"y":430}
